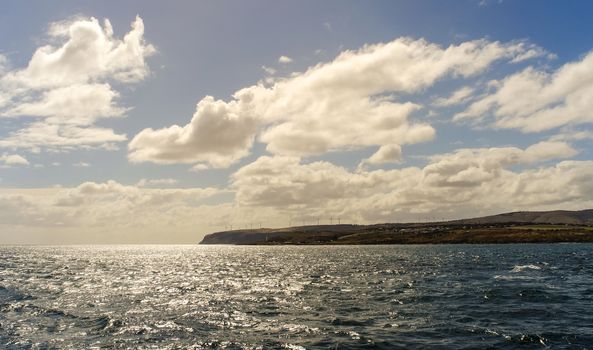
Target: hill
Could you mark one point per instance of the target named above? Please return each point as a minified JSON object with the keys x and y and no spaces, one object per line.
{"x":558,"y":217}
{"x":515,"y":227}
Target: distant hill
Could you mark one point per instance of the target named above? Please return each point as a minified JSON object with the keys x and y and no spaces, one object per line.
{"x":558,"y":217}
{"x":566,"y":226}
{"x":256,"y":236}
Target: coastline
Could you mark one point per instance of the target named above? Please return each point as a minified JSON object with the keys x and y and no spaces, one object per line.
{"x":406,"y":234}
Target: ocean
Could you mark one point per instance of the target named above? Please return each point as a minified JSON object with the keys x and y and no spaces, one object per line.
{"x":526,"y":296}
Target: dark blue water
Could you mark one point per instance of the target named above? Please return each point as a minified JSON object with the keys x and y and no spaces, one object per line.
{"x":355,"y":297}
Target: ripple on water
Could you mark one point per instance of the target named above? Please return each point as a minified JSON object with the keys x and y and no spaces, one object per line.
{"x":286,"y":297}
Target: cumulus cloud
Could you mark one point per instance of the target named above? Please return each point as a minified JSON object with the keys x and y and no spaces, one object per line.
{"x":468,"y":167}
{"x":89,"y":52}
{"x":92,"y":192}
{"x":385,"y":154}
{"x":459,"y":96}
{"x":549,"y":150}
{"x":268,"y":70}
{"x":284,"y":59}
{"x":3,"y":65}
{"x":13,"y":159}
{"x":67,"y":84}
{"x":534,"y":100}
{"x":530,"y":51}
{"x":463,"y":183}
{"x":573,"y":135}
{"x":79,"y":104}
{"x":199,"y":167}
{"x":283,"y":181}
{"x":156,"y":182}
{"x":357,"y":100}
{"x":219,"y":133}
{"x":62,"y":137}
{"x":276,"y":189}
{"x":108,"y":212}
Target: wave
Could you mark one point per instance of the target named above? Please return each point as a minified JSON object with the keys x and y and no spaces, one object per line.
{"x":521,"y":268}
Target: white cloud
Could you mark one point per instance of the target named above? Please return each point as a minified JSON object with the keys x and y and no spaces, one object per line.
{"x":13,"y":159}
{"x":93,"y":193}
{"x":549,"y":150}
{"x":68,"y":83}
{"x":220,"y":133}
{"x":61,"y":137}
{"x":464,"y":183}
{"x":82,"y":165}
{"x":274,"y":190}
{"x":354,"y":101}
{"x":199,"y":167}
{"x":284,"y":59}
{"x":283,"y":182}
{"x":530,"y":51}
{"x":573,"y":135}
{"x":3,"y":66}
{"x":534,"y":100}
{"x":468,"y":167}
{"x":459,"y":96}
{"x":110,"y":208}
{"x":79,"y":104}
{"x":385,"y":154}
{"x":88,"y":53}
{"x":156,"y":182}
{"x":269,"y":70}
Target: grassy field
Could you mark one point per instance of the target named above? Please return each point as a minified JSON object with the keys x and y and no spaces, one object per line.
{"x":523,"y":234}
{"x":553,"y":227}
{"x":413,"y":233}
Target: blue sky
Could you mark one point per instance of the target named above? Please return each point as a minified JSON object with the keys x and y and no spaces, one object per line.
{"x":299,"y":163}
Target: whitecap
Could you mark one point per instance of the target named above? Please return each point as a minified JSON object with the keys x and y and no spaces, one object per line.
{"x":293,"y":347}
{"x":520,"y":268}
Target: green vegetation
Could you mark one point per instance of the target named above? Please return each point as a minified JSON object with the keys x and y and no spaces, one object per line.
{"x":415,"y":234}
{"x":553,"y":227}
{"x":518,"y":227}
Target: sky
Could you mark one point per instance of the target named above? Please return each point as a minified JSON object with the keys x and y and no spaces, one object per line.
{"x":146,"y":122}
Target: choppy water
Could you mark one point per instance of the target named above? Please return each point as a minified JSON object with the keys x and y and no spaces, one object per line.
{"x":355,"y":297}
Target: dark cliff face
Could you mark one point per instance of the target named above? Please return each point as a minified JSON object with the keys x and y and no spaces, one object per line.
{"x":258,"y":236}
{"x":235,"y":237}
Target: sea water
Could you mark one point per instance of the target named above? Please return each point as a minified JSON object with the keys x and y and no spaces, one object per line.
{"x":297,"y":297}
